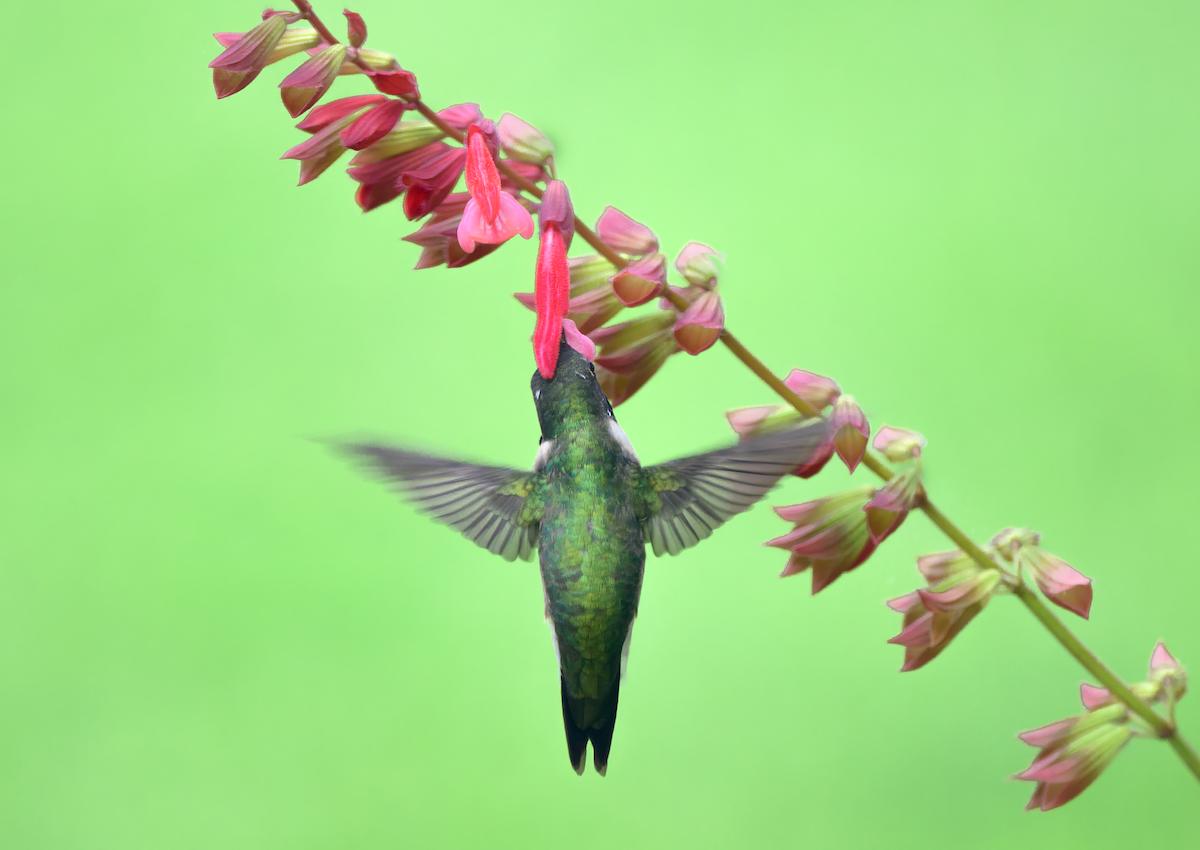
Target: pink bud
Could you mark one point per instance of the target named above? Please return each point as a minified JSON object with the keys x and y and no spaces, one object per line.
{"x":1092,"y":697}
{"x":426,"y":187}
{"x":898,"y":444}
{"x":830,"y":536}
{"x":326,"y":113}
{"x":624,"y":235}
{"x":892,"y":503}
{"x":356,"y":28}
{"x":374,"y":124}
{"x":698,"y":263}
{"x":815,"y":389}
{"x":305,"y":85}
{"x":461,"y":115}
{"x":395,"y":81}
{"x":1063,"y":585}
{"x":850,"y":431}
{"x":1161,"y":660}
{"x":238,"y":65}
{"x":699,"y":326}
{"x":641,"y":281}
{"x":522,"y":141}
{"x":556,"y":207}
{"x":322,"y":149}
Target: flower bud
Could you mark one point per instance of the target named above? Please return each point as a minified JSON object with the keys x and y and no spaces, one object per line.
{"x":641,"y":281}
{"x":698,"y":263}
{"x":892,"y":503}
{"x":240,"y":62}
{"x":898,"y":444}
{"x":522,"y":141}
{"x":624,"y":235}
{"x":699,"y":326}
{"x":815,"y":389}
{"x":305,"y":85}
{"x":1062,"y":584}
{"x":830,"y":536}
{"x":850,"y":430}
{"x":356,"y":28}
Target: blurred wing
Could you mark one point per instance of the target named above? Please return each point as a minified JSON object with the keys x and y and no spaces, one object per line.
{"x":696,"y":494}
{"x":500,"y":509}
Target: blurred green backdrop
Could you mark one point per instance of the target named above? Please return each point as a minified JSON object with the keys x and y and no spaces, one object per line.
{"x":980,"y":218}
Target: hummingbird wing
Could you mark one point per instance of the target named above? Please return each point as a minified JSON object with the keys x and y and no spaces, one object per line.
{"x":688,"y":498}
{"x":500,"y":509}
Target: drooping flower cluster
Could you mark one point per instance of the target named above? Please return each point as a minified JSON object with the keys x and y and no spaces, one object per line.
{"x":832,"y":536}
{"x":957,"y":588}
{"x":415,"y":160}
{"x":1073,"y":752}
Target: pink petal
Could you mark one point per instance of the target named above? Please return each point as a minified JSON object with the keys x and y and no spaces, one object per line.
{"x":1161,"y":659}
{"x":512,"y":220}
{"x":625,"y":235}
{"x":1051,"y":733}
{"x":327,"y":113}
{"x":1093,"y":697}
{"x":578,"y":341}
{"x":817,"y":390}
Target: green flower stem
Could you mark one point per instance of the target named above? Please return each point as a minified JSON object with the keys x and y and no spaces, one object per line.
{"x":1072,"y":644}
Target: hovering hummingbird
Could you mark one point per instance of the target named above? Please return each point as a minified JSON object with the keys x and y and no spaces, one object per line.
{"x":588,"y":508}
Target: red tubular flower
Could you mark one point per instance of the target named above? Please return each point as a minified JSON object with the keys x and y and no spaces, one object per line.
{"x":374,"y":124}
{"x":305,"y":85}
{"x":243,"y":60}
{"x":491,"y":216}
{"x":552,"y":281}
{"x":426,"y":187}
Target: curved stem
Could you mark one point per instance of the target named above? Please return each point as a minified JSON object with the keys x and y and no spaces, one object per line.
{"x":1162,"y":728}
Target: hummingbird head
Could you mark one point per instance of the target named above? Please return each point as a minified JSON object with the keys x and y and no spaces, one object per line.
{"x":572,"y":397}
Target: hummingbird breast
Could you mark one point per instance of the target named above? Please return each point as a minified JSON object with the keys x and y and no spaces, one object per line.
{"x":592,"y":553}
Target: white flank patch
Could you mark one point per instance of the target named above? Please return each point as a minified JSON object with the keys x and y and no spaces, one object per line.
{"x":545,"y":449}
{"x":622,"y":439}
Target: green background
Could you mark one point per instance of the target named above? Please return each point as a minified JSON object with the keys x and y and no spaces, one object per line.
{"x":980,"y":218}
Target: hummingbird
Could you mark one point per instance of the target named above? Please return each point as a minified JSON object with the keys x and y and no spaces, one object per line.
{"x":588,"y":508}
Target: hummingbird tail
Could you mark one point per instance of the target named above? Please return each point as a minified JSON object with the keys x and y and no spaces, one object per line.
{"x":600,"y":733}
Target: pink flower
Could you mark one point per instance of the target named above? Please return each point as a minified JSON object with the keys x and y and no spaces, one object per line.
{"x":699,"y":264}
{"x":552,"y":281}
{"x":394,"y":81}
{"x":1063,"y":585}
{"x":1166,"y":683}
{"x":383,"y":181}
{"x":491,"y":216}
{"x":957,"y":590}
{"x":815,"y":389}
{"x":305,"y":85}
{"x":898,"y":444}
{"x":699,"y":326}
{"x":243,"y":60}
{"x":640,"y":281}
{"x":327,"y":113}
{"x":461,"y":115}
{"x":830,"y":536}
{"x":850,"y":431}
{"x":356,"y":29}
{"x":524,"y":142}
{"x":1072,"y":754}
{"x":438,"y":237}
{"x":426,"y":187}
{"x":632,"y":352}
{"x":624,"y":235}
{"x":323,"y":148}
{"x":892,"y":503}
{"x":374,"y":124}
